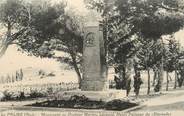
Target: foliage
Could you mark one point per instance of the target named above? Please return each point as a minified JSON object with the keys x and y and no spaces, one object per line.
{"x":36,"y":94}
{"x":46,"y":20}
{"x":82,"y":102}
{"x":148,"y":20}
{"x":149,"y":54}
{"x":50,"y":90}
{"x":15,"y":17}
{"x":44,"y":28}
{"x":172,"y":55}
{"x":7,"y":95}
{"x":21,"y":96}
{"x":13,"y":12}
{"x":135,"y":28}
{"x":119,"y":105}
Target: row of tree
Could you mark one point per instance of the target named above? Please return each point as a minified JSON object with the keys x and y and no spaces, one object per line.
{"x":133,"y":34}
{"x":136,"y":30}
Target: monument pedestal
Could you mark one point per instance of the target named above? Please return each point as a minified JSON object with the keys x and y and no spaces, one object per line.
{"x":93,"y":95}
{"x":95,"y":85}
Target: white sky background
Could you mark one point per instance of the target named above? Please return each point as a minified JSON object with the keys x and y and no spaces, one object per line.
{"x":14,"y":60}
{"x":78,"y":5}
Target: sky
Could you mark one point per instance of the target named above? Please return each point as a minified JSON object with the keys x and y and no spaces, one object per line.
{"x":180,"y":37}
{"x":77,"y":5}
{"x":80,"y":9}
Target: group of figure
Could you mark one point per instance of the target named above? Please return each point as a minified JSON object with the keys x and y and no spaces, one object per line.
{"x":125,"y":83}
{"x":122,"y":78}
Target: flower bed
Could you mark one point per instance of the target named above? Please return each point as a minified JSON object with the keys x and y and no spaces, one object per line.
{"x":82,"y":102}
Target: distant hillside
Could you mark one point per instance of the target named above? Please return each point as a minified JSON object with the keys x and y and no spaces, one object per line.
{"x":14,"y":60}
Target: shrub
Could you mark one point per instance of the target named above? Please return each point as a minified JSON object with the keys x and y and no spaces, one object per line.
{"x":21,"y":96}
{"x":36,"y":94}
{"x":1,"y":96}
{"x":51,"y":74}
{"x":8,"y":95}
{"x":50,"y":90}
{"x":79,"y":99}
{"x":119,"y":105}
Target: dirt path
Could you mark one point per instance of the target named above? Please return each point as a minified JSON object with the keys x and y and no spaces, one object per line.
{"x":171,"y":101}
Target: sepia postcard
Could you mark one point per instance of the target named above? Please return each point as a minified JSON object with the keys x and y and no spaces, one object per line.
{"x":91,"y":58}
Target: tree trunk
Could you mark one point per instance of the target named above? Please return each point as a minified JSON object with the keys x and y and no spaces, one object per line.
{"x":175,"y":79}
{"x":76,"y":69}
{"x":161,"y":68}
{"x":154,"y":78}
{"x":158,"y":86}
{"x":5,"y":43}
{"x":160,"y":78}
{"x":148,"y":91}
{"x":170,"y":78}
{"x":127,"y":76}
{"x":167,"y":84}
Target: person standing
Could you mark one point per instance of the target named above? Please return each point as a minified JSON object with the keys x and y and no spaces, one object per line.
{"x":137,"y":83}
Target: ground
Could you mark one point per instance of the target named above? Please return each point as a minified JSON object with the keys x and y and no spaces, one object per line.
{"x":171,"y":101}
{"x":168,"y":102}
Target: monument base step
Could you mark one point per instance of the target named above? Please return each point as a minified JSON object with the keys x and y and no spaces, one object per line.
{"x":93,"y":95}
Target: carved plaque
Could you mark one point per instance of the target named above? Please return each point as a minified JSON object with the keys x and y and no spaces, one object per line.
{"x":90,"y":39}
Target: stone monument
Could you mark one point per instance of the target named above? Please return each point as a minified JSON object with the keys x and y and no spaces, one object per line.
{"x":94,"y":64}
{"x":94,"y":83}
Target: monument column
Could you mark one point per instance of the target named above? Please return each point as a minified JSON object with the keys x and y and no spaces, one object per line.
{"x":94,"y":84}
{"x":94,"y":66}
